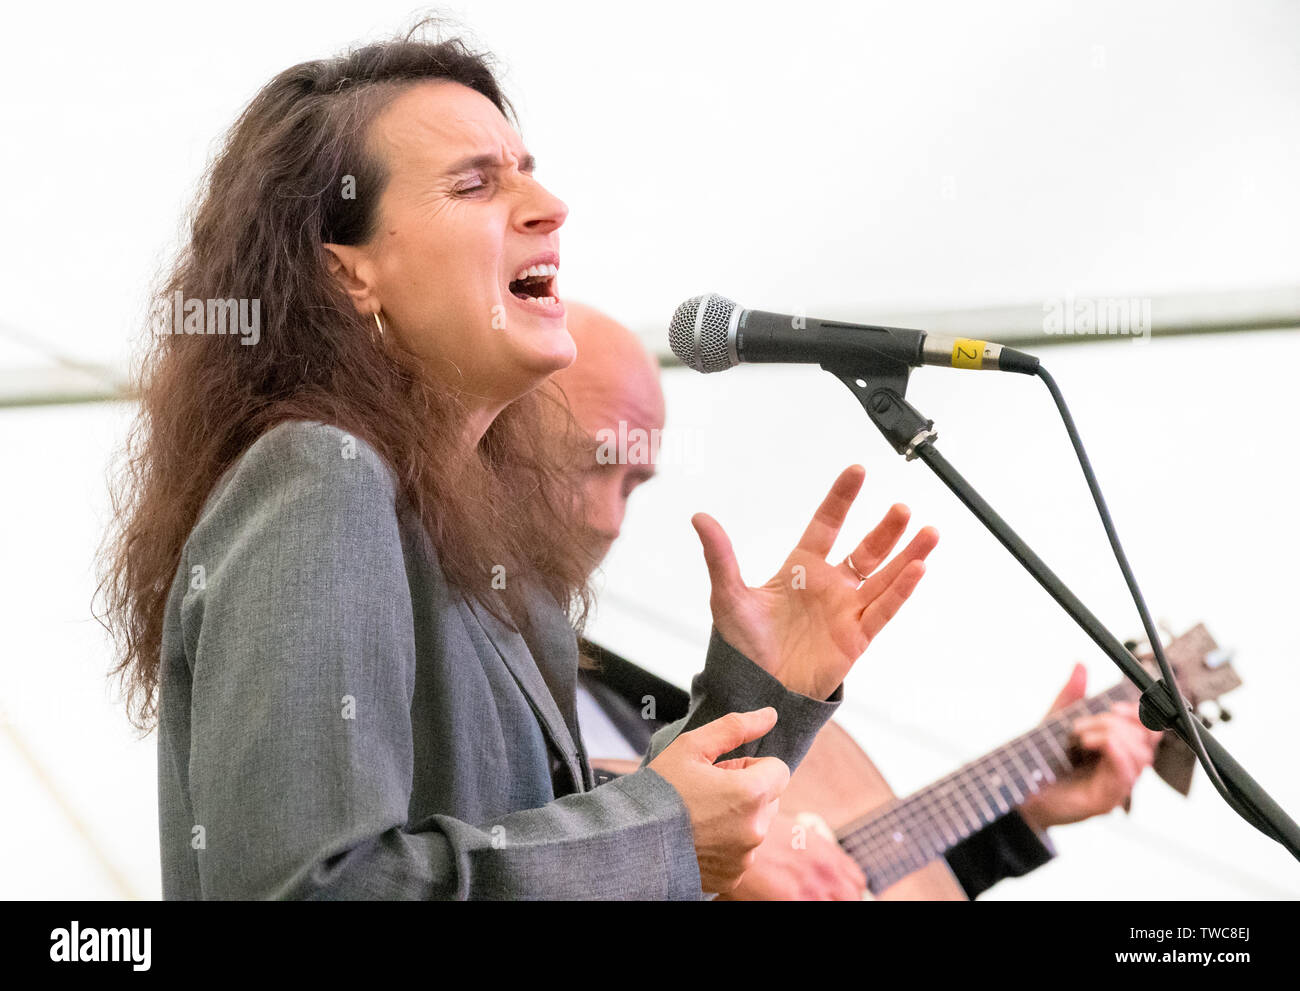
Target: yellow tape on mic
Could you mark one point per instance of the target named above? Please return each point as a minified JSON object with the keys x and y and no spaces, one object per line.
{"x":968,"y":353}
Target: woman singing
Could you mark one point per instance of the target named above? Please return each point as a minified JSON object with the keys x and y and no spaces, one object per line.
{"x":347,"y":572}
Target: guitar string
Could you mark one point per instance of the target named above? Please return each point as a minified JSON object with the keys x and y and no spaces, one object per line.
{"x":907,"y":839}
{"x":915,"y":815}
{"x":870,"y":839}
{"x":913,"y":832}
{"x":915,"y":818}
{"x":922,"y":817}
{"x":950,"y":788}
{"x":912,"y":813}
{"x":922,"y":832}
{"x":937,"y":796}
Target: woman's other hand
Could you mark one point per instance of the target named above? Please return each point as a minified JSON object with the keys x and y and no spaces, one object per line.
{"x":731,"y":802}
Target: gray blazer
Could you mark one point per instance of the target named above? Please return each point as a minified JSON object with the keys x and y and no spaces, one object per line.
{"x":336,"y":722}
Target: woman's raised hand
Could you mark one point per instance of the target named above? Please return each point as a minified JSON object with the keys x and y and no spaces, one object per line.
{"x":812,"y":620}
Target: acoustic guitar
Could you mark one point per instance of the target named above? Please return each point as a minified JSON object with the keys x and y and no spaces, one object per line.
{"x":900,"y":843}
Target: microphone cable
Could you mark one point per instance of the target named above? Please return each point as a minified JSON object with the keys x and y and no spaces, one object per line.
{"x":1185,"y":717}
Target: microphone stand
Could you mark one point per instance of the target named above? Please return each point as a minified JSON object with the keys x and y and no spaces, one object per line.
{"x":881,"y":391}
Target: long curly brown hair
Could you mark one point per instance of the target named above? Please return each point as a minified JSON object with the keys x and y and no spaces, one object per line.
{"x":268,"y":203}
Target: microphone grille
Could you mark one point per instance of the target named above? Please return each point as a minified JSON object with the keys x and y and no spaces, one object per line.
{"x":701,"y":333}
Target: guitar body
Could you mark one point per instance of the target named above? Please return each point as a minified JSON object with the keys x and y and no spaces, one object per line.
{"x":838,"y":782}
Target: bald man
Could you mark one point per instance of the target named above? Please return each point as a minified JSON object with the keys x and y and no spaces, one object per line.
{"x":613,"y":392}
{"x":614,"y":381}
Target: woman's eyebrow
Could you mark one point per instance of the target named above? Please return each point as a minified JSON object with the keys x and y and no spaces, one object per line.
{"x":489,"y":161}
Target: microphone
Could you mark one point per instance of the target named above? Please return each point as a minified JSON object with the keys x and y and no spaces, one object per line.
{"x":711,"y":334}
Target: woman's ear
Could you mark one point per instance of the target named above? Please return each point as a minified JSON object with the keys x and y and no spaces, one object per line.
{"x":350,"y":267}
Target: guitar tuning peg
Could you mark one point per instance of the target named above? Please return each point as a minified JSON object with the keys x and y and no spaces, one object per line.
{"x":1218,"y":657}
{"x":1220,"y":714}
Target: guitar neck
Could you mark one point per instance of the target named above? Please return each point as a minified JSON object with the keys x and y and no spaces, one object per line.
{"x":905,"y":835}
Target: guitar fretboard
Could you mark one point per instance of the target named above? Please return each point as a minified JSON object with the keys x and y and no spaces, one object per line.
{"x":905,"y":835}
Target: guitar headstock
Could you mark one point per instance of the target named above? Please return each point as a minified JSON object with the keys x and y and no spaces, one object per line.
{"x":1203,"y":669}
{"x":1204,"y":673}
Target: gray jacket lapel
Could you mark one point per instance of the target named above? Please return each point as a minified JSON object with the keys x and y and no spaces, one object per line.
{"x":519,"y":659}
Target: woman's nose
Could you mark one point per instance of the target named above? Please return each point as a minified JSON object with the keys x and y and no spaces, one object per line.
{"x":540,"y":212}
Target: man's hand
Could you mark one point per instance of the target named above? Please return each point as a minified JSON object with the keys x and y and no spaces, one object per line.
{"x":811,"y":622}
{"x":1124,"y":747}
{"x":732,"y":802}
{"x":801,"y":862}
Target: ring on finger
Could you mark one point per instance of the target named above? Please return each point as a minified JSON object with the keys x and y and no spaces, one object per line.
{"x":854,"y":568}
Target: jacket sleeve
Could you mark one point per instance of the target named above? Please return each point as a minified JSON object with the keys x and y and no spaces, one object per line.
{"x":731,"y":682}
{"x":1008,"y":847}
{"x":300,"y":642}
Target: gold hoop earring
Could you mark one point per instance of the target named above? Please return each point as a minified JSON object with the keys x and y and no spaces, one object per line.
{"x":379,"y":324}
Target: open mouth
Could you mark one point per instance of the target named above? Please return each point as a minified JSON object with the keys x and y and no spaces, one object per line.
{"x":536,"y":284}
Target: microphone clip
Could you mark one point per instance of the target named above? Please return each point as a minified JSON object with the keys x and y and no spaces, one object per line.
{"x":881,"y":395}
